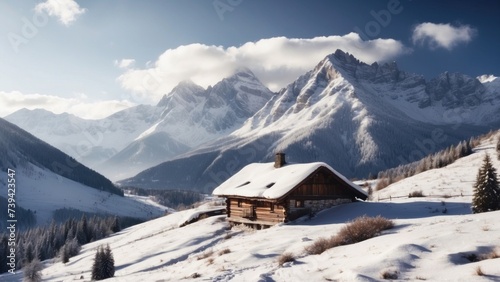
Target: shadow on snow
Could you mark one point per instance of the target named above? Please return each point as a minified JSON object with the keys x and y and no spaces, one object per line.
{"x":410,"y":210}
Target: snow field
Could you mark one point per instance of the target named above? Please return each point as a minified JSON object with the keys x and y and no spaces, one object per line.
{"x":44,"y":192}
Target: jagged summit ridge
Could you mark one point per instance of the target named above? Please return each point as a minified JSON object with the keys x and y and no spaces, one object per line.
{"x":186,"y":91}
{"x":191,"y":115}
{"x":212,"y":112}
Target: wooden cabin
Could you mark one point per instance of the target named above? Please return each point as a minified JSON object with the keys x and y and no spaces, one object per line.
{"x":264,"y":194}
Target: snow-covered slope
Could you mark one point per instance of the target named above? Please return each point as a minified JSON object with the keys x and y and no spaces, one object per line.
{"x":429,"y":242}
{"x":44,"y":192}
{"x":46,"y":180}
{"x":358,"y":118}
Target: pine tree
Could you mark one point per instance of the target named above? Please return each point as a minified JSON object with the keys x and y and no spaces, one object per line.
{"x":29,"y":254}
{"x":115,"y":225}
{"x":64,"y":253}
{"x":32,"y":271}
{"x":486,"y":190}
{"x":96,"y":267}
{"x":81,"y":235}
{"x":104,"y":264}
{"x":109,"y":263}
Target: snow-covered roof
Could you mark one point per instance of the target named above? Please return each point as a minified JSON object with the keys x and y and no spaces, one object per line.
{"x":263,"y":180}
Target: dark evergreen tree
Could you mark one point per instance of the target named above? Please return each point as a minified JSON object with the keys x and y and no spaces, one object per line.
{"x":64,"y":254}
{"x":486,"y":190}
{"x":70,"y":249}
{"x":81,"y":234}
{"x":73,"y":247}
{"x":104,"y":264}
{"x":115,"y":225}
{"x":108,"y":263}
{"x":20,"y":252}
{"x":97,"y":271}
{"x":32,"y":271}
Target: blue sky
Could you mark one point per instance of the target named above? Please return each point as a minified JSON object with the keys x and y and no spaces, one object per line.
{"x":92,"y":58}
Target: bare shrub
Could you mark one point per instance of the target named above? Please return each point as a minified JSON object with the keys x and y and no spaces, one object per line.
{"x":205,"y":255}
{"x":382,"y":183}
{"x":285,"y":257}
{"x":225,"y":251}
{"x":416,"y":194}
{"x":360,"y":229}
{"x":494,"y":254}
{"x":389,"y":274}
{"x":479,"y":271}
{"x":363,"y":228}
{"x":319,"y":246}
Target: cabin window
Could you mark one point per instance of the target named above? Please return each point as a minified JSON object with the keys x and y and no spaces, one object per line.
{"x":246,"y":183}
{"x":299,"y":204}
{"x":272,"y":207}
{"x":239,"y":204}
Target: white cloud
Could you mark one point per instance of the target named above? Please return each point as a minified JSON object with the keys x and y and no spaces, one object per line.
{"x":124,"y":63}
{"x":275,"y":61}
{"x":442,"y":35}
{"x":79,"y":106}
{"x":66,"y":10}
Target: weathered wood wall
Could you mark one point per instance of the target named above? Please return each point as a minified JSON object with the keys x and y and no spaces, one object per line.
{"x":322,"y":185}
{"x":256,"y":211}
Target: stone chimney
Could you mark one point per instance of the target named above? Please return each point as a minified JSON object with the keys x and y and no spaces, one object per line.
{"x":279,"y":161}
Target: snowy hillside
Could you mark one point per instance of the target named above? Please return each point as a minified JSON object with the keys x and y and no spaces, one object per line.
{"x":356,"y":117}
{"x":46,"y":180}
{"x":43,"y":192}
{"x":430,"y":241}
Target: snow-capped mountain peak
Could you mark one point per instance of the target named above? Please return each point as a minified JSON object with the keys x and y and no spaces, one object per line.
{"x":486,"y":78}
{"x":211,"y":112}
{"x":185,"y":92}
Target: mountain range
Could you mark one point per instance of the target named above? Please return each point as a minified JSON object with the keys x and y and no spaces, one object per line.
{"x":145,"y":135}
{"x":359,"y":118}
